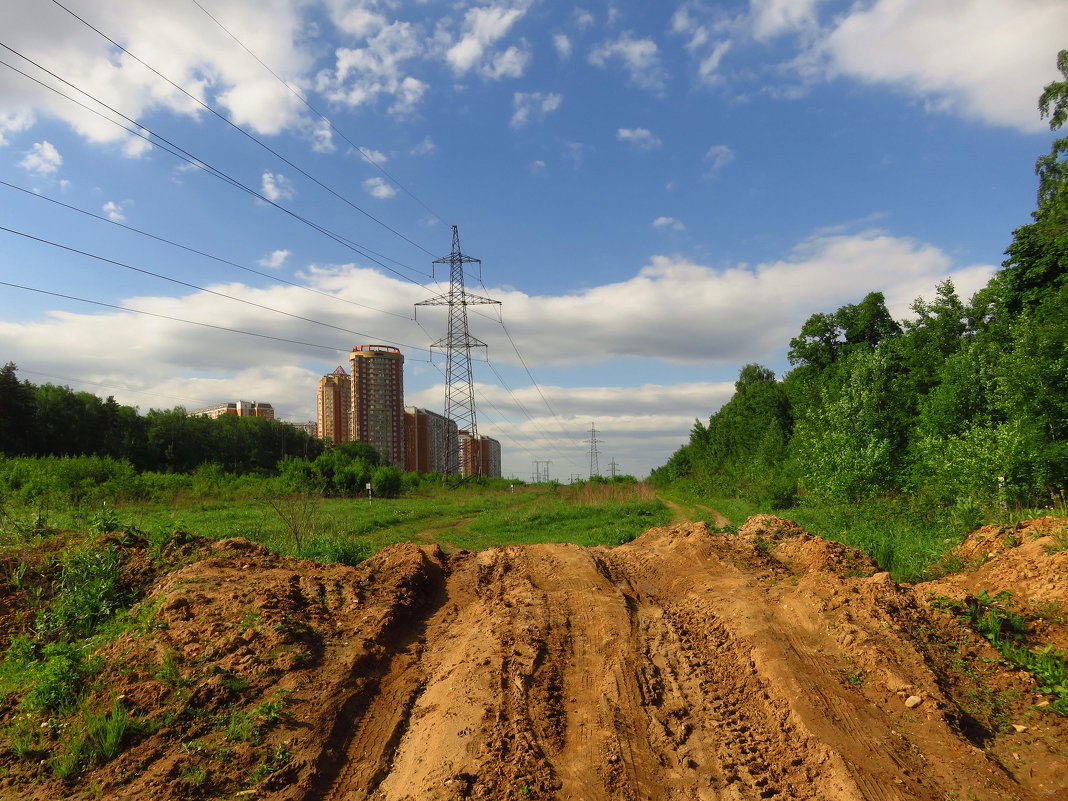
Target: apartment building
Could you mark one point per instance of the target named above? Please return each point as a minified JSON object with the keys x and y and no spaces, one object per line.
{"x":377,"y":400}
{"x":427,"y":435}
{"x":239,"y":408}
{"x":479,"y":456}
{"x":333,"y":407}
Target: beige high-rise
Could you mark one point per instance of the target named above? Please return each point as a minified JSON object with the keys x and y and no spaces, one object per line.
{"x":378,"y":400}
{"x":333,"y":407}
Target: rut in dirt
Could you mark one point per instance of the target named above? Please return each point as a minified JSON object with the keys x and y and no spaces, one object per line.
{"x":684,"y":665}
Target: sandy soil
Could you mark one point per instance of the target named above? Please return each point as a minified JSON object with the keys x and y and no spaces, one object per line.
{"x":766,"y":664}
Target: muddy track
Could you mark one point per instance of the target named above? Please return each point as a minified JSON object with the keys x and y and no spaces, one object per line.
{"x":681,"y":666}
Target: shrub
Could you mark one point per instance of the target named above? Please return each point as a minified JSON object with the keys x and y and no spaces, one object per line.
{"x":59,"y":678}
{"x":88,"y":594}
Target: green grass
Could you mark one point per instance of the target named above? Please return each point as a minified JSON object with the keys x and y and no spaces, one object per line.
{"x":993,"y":617}
{"x":904,"y":538}
{"x":348,"y":530}
{"x":613,"y":523}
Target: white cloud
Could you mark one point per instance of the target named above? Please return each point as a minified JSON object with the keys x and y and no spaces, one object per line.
{"x":275,"y":260}
{"x":640,"y":138}
{"x":530,"y":106}
{"x":639,"y":57}
{"x":772,"y":18}
{"x":14,"y":122}
{"x":669,"y":223}
{"x":275,"y":187}
{"x":372,"y":156}
{"x":42,"y":159}
{"x":707,"y":41}
{"x":483,"y":27}
{"x":362,"y":75}
{"x":584,"y":19}
{"x":679,"y":310}
{"x":181,"y":43}
{"x":377,"y":187}
{"x":113,"y":211}
{"x":510,"y":63}
{"x":720,"y":156}
{"x":408,"y":95}
{"x":424,"y":148}
{"x":983,"y":59}
{"x":537,"y":167}
{"x":562,"y":45}
{"x":322,"y":136}
{"x":575,"y":152}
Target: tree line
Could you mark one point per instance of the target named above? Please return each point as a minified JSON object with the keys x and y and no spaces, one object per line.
{"x":50,"y":420}
{"x":939,"y":405}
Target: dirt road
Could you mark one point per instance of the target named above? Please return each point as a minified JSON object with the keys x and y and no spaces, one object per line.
{"x":681,"y":666}
{"x":684,"y":665}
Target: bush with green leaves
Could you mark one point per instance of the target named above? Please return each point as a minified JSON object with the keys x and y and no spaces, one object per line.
{"x":88,"y":592}
{"x":58,"y":678}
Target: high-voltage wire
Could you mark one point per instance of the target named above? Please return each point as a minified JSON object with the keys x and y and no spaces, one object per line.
{"x":190,"y":249}
{"x":241,"y":130}
{"x":199,"y":288}
{"x":366,"y":156}
{"x":548,"y":437}
{"x":151,"y":137}
{"x":199,"y":401}
{"x":174,"y":319}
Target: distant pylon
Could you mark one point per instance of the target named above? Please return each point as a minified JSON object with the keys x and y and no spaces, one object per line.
{"x":459,"y":388}
{"x":595,"y":469}
{"x":613,"y":468}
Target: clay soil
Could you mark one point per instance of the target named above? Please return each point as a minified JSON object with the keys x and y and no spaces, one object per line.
{"x":687,"y":664}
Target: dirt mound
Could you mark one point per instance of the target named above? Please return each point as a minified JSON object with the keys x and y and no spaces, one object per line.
{"x":988,"y":541}
{"x":799,"y":551}
{"x":683,"y":665}
{"x":770,"y":527}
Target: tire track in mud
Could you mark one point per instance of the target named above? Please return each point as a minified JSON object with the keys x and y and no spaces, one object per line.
{"x":670,"y":668}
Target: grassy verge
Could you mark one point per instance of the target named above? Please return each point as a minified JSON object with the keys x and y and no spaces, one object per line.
{"x":348,"y":529}
{"x":903,"y":537}
{"x":993,"y":617}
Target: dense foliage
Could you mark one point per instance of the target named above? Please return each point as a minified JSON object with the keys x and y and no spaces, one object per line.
{"x":50,"y":420}
{"x":939,"y":405}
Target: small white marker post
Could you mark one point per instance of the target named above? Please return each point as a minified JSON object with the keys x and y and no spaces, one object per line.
{"x":368,"y":493}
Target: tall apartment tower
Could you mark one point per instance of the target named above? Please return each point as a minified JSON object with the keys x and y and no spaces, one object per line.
{"x":333,"y":406}
{"x":378,"y":400}
{"x":427,"y":435}
{"x":479,"y":455}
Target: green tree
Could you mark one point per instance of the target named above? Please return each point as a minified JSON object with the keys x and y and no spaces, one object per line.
{"x":849,"y":445}
{"x":16,"y":412}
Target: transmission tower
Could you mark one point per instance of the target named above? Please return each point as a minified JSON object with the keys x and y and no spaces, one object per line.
{"x":595,"y":470}
{"x":613,"y":468}
{"x":457,"y":344}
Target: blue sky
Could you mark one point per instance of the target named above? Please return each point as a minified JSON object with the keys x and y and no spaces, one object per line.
{"x":659,"y":193}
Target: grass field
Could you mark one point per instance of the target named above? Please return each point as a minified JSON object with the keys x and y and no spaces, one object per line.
{"x":349,"y":529}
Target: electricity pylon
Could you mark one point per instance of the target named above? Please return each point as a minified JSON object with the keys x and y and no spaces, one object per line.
{"x":457,"y":343}
{"x":595,"y":470}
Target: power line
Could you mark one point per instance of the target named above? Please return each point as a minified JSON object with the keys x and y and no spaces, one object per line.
{"x":151,"y":137}
{"x":241,"y":130}
{"x":190,"y":249}
{"x":174,"y":319}
{"x":366,"y":156}
{"x":548,"y":437}
{"x":200,"y":288}
{"x":111,"y":386}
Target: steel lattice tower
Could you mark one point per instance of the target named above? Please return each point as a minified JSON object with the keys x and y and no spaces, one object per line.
{"x":459,"y":387}
{"x":595,"y":469}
